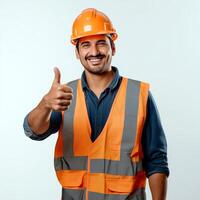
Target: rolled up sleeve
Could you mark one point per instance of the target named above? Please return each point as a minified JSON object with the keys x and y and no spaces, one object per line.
{"x":55,"y":122}
{"x":154,"y":141}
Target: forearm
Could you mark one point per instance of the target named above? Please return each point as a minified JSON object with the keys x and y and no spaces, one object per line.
{"x":39,"y":118}
{"x":158,"y":186}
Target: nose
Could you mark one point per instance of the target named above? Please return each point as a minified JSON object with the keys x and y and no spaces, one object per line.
{"x":94,"y":50}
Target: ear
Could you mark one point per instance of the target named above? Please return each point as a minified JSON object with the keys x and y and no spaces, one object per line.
{"x":113,"y":49}
{"x":77,"y":53}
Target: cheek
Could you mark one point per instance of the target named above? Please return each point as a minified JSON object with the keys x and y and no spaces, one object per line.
{"x":82,"y":55}
{"x":109,"y":54}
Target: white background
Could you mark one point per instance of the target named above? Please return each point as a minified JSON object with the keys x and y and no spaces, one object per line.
{"x":158,"y":43}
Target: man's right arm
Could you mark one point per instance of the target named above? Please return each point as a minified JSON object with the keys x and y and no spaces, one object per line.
{"x":39,"y":118}
{"x":54,"y":125}
{"x":57,"y":99}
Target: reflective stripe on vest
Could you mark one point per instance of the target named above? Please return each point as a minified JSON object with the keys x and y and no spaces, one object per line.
{"x":111,"y":166}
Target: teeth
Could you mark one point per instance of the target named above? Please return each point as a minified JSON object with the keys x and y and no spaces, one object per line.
{"x":95,"y":59}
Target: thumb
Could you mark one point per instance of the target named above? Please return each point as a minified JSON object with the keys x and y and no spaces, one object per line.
{"x":57,"y":75}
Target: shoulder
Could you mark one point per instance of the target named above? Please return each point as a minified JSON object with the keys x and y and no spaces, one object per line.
{"x":73,"y":82}
{"x":142,"y":84}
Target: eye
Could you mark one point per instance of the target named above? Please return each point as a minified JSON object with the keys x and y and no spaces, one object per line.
{"x":85,"y":45}
{"x":102,"y":43}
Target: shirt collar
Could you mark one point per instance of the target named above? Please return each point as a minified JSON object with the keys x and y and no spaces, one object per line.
{"x":112,"y":85}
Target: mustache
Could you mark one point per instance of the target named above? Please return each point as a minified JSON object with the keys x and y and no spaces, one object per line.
{"x":97,"y":56}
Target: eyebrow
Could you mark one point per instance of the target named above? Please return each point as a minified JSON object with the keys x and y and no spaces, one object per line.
{"x":101,"y":41}
{"x":85,"y":42}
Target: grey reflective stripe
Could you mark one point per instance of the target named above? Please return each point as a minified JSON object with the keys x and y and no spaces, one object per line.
{"x":123,"y":167}
{"x":73,"y":194}
{"x":70,"y":163}
{"x":68,"y":123}
{"x":131,"y":114}
{"x":139,"y":194}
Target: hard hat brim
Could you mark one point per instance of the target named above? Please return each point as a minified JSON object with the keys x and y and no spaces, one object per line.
{"x":113,"y":36}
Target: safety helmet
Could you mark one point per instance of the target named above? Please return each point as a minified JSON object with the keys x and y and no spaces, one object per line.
{"x":92,"y":22}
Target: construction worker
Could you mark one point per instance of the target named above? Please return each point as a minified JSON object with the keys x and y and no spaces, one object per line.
{"x":110,"y":136}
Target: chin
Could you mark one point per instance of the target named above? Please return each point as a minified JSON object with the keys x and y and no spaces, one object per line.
{"x":96,"y":69}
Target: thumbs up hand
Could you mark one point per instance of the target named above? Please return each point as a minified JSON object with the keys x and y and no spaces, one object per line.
{"x":59,"y":96}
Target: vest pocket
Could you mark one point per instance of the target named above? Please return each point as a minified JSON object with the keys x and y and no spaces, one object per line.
{"x":71,"y":179}
{"x":119,"y":186}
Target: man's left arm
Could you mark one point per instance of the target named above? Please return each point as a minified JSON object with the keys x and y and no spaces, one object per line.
{"x":158,"y":186}
{"x":155,"y":152}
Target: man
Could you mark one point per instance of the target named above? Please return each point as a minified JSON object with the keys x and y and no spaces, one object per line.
{"x":110,"y":135}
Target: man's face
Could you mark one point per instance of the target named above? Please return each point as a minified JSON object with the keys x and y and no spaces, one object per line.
{"x":95,"y":53}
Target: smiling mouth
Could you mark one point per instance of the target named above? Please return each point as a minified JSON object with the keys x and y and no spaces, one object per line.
{"x":95,"y":60}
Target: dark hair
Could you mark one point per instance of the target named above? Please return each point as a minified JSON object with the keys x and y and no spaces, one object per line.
{"x":77,"y":43}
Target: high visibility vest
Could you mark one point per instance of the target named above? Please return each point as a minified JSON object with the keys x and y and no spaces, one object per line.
{"x":110,"y":168}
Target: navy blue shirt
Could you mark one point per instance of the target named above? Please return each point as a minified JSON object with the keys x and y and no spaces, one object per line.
{"x":153,"y":137}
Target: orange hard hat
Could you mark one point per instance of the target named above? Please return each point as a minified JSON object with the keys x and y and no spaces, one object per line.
{"x":92,"y":22}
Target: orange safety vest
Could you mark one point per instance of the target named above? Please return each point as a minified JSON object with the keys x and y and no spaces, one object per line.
{"x":110,"y":168}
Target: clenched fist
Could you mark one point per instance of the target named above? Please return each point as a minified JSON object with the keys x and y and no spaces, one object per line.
{"x":59,"y":96}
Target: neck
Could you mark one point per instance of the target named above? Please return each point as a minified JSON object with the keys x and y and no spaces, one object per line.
{"x":99,"y":82}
